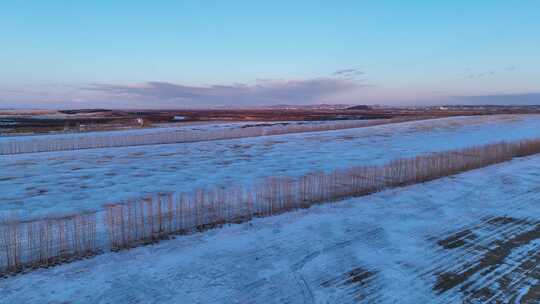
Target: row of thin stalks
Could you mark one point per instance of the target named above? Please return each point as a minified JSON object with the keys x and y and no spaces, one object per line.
{"x":123,"y":139}
{"x":46,"y":242}
{"x":43,"y":242}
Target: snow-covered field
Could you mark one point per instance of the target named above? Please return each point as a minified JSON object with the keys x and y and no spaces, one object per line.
{"x":70,"y":181}
{"x":170,"y":135}
{"x":159,"y":128}
{"x":478,"y":230}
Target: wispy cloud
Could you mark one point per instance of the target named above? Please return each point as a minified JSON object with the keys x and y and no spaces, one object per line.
{"x":262,"y":92}
{"x":480,"y":75}
{"x":474,"y":75}
{"x":348,"y":73}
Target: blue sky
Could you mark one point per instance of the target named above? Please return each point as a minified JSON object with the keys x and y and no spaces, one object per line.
{"x":214,"y":53}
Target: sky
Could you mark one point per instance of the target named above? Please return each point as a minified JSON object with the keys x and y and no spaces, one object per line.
{"x":178,"y":54}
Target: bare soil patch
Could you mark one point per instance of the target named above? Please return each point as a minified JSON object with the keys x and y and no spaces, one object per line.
{"x":491,"y":262}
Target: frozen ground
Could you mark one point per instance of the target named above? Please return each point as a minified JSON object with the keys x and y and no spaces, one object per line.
{"x":69,"y":181}
{"x":471,"y":238}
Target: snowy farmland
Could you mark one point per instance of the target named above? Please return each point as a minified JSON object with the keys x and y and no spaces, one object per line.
{"x":65,"y":182}
{"x":446,"y":221}
{"x":480,"y":228}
